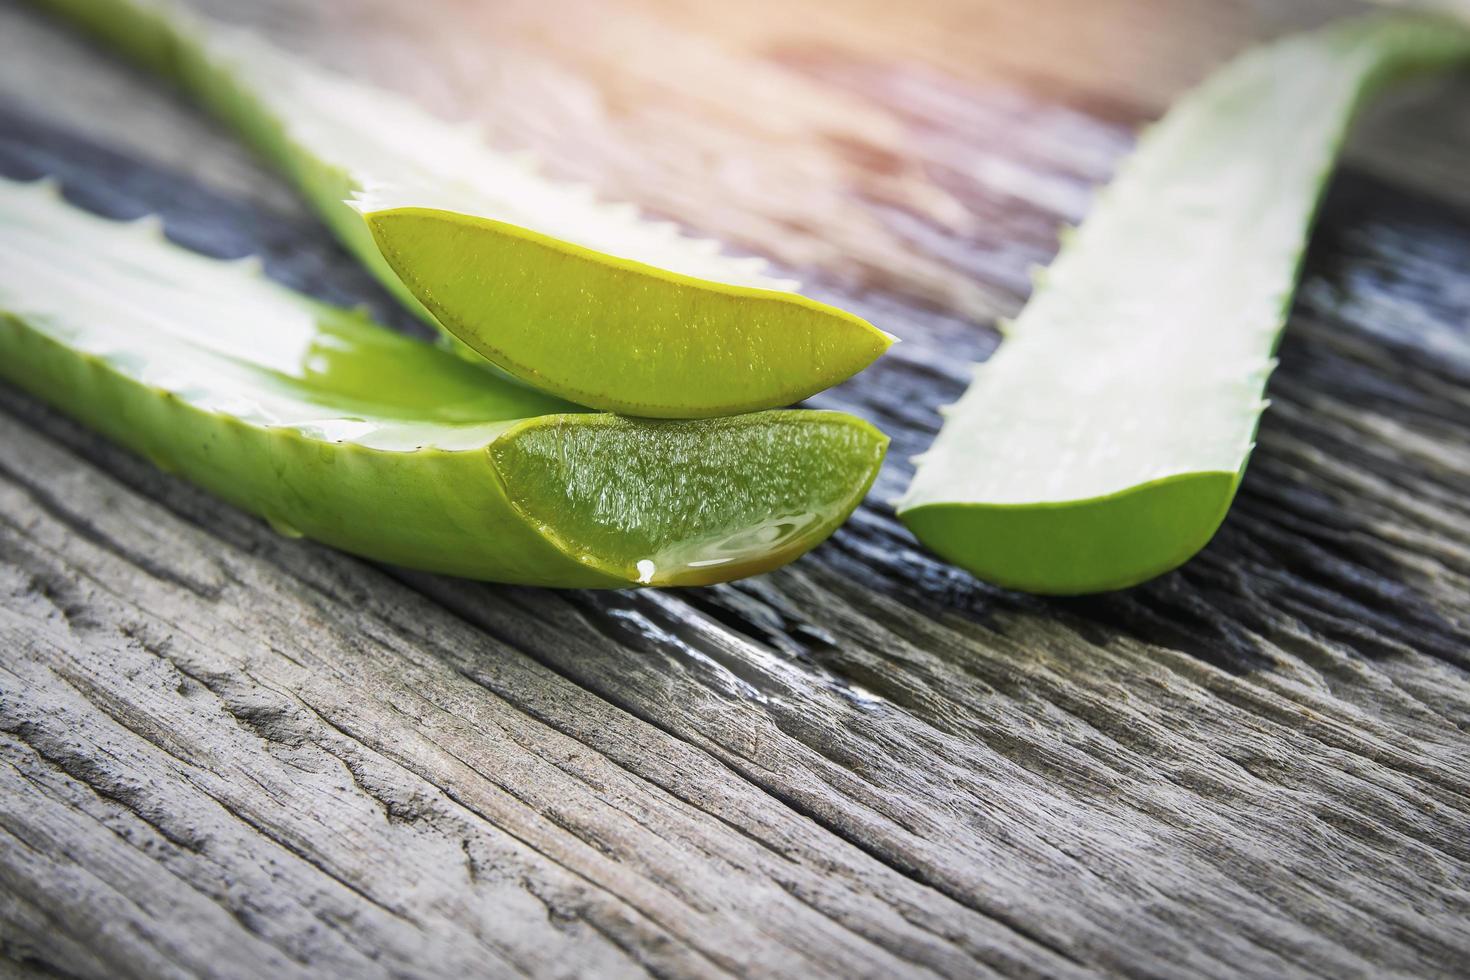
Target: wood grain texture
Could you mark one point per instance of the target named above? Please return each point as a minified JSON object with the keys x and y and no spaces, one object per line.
{"x":226,"y":753}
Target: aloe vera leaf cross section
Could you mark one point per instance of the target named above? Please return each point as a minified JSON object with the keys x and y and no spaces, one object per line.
{"x":582,"y":299}
{"x":336,"y":429}
{"x":1104,"y":442}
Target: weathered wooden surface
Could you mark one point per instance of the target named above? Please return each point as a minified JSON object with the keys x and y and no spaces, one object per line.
{"x":227,"y":753}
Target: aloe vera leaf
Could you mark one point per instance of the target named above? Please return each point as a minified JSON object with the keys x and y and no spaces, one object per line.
{"x":1103,"y":443}
{"x":385,"y":446}
{"x":579,"y":298}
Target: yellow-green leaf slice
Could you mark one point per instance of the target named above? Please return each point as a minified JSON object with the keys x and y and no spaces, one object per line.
{"x":579,"y":298}
{"x":336,"y":429}
{"x":1103,"y":443}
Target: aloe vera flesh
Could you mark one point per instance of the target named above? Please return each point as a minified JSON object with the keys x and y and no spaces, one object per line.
{"x":1103,"y":443}
{"x":575,"y":297}
{"x":333,"y":428}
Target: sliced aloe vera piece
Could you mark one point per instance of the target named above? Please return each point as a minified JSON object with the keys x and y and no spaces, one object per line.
{"x":1103,"y":443}
{"x":379,"y":444}
{"x":578,"y":298}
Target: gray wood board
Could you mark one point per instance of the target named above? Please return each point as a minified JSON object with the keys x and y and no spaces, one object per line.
{"x":227,"y":753}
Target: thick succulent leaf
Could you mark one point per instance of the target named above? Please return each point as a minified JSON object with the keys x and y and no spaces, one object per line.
{"x":1103,"y":443}
{"x":336,"y":429}
{"x":580,"y":298}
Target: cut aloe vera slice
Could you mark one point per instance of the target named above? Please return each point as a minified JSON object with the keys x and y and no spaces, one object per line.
{"x":1103,"y":443}
{"x":578,"y":298}
{"x":388,"y":447}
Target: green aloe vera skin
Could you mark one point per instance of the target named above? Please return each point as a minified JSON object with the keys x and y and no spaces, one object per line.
{"x":575,"y":297}
{"x":1103,"y":443}
{"x":333,"y":428}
